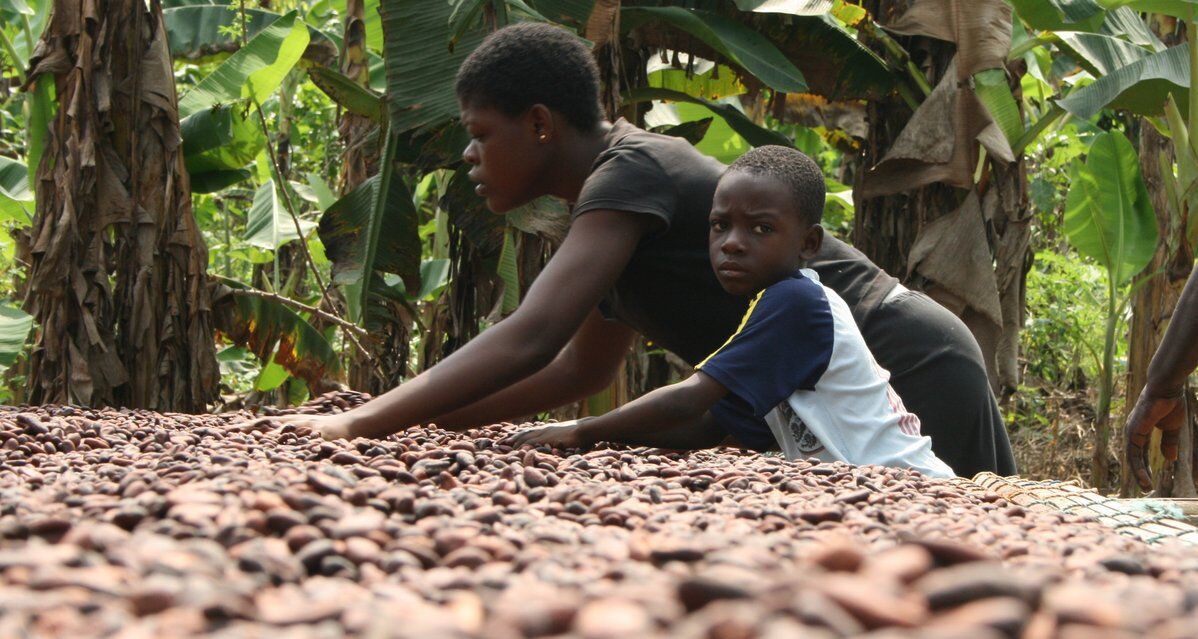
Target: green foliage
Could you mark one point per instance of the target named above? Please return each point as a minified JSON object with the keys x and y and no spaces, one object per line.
{"x":16,"y":198}
{"x":1139,"y":87}
{"x":255,"y":71}
{"x":1063,"y":333}
{"x":270,"y":225}
{"x":1108,"y":216}
{"x":15,"y":326}
{"x":420,"y":63}
{"x":733,"y":40}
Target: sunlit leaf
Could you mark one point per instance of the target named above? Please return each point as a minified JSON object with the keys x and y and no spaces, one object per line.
{"x":1108,"y":214}
{"x":1140,"y":87}
{"x":269,"y":225}
{"x":735,"y":41}
{"x":756,"y":135}
{"x":15,"y":326}
{"x":254,"y":71}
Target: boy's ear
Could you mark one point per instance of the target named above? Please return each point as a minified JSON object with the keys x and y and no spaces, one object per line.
{"x":812,"y":240}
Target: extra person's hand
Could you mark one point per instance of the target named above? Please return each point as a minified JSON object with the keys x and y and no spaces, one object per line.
{"x":563,"y":435}
{"x":329,"y":427}
{"x":1165,"y":411}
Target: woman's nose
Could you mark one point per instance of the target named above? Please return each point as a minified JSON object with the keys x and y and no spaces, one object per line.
{"x":470,"y":154}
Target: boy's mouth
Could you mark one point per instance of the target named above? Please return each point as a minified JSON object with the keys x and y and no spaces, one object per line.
{"x":731,"y":270}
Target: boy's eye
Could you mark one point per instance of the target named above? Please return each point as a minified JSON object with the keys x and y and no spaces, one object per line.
{"x":763,"y":229}
{"x":718,"y":225}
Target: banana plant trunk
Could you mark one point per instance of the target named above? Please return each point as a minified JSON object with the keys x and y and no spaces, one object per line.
{"x":117,"y":265}
{"x":887,"y":227}
{"x":387,"y":363}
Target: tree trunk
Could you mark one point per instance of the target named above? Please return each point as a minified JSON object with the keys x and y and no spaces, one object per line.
{"x":117,"y":263}
{"x":1152,"y":308}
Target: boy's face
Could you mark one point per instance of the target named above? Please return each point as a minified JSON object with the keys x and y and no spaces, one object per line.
{"x":504,"y":156}
{"x":758,"y":235}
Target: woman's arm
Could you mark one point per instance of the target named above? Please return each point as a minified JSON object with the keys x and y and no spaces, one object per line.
{"x":670,"y":417}
{"x":587,"y":365}
{"x":596,"y":250}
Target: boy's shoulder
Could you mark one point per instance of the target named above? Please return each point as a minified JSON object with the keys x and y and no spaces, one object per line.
{"x":801,"y":290}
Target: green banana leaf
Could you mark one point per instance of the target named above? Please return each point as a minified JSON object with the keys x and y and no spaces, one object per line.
{"x":361,"y":217}
{"x":1100,"y":54}
{"x":269,"y":225}
{"x":16,"y":198}
{"x":733,"y":40}
{"x":1127,"y":24}
{"x":197,"y":31}
{"x":374,"y":25}
{"x":692,"y":132}
{"x":213,"y":181}
{"x":349,"y":94}
{"x":1057,"y":15}
{"x":273,"y":331}
{"x":571,"y":13}
{"x":222,"y":141}
{"x":756,"y":135}
{"x":1108,"y":214}
{"x":420,"y":66}
{"x":15,"y":326}
{"x":994,"y":93}
{"x":709,"y":85}
{"x":1184,"y":9}
{"x":1140,"y":87}
{"x":254,"y":71}
{"x":793,"y":7}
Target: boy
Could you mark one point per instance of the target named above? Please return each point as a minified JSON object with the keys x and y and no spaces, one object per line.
{"x":797,"y":359}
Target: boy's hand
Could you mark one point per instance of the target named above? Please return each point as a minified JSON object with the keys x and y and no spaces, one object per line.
{"x":563,"y":435}
{"x":329,"y":427}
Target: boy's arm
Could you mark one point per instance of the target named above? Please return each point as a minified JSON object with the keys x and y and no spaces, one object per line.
{"x":670,"y":417}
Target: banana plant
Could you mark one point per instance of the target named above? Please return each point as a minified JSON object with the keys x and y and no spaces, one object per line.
{"x":1109,"y":218}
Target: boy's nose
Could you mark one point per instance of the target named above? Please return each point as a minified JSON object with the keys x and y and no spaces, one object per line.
{"x":732,"y":244}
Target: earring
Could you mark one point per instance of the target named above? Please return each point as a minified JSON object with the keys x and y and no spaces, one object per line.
{"x":544,"y":137}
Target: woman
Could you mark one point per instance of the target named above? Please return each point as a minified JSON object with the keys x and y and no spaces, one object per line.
{"x":634,"y":261}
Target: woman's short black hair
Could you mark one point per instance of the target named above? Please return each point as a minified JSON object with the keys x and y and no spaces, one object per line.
{"x":792,"y":168}
{"x":533,"y":63}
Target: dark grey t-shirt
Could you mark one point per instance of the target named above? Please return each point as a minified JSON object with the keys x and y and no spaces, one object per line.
{"x":668,"y":292}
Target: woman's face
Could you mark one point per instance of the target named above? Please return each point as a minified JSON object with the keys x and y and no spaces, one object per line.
{"x":505,"y":157}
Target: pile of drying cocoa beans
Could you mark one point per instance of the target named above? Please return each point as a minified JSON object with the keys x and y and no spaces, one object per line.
{"x":131,"y":524}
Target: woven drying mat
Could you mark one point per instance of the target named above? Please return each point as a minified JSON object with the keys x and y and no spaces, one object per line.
{"x":1148,"y":521}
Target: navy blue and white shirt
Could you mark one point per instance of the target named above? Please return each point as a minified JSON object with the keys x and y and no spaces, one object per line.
{"x":798,"y":360}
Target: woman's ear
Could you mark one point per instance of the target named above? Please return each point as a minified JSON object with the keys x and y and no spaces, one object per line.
{"x":540,"y":118}
{"x":813,"y":239}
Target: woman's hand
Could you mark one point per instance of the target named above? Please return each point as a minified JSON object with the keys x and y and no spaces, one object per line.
{"x":329,"y":427}
{"x":563,"y":435}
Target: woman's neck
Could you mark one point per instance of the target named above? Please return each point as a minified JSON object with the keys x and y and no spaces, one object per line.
{"x":577,"y":153}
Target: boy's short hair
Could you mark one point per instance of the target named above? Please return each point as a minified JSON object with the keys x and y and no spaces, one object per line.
{"x":533,"y":63}
{"x":792,"y":168}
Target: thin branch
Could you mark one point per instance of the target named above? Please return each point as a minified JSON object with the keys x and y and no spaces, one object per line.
{"x":287,"y":301}
{"x":282,"y":186}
